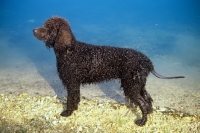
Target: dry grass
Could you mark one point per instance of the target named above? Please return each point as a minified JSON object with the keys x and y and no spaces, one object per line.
{"x":24,"y":114}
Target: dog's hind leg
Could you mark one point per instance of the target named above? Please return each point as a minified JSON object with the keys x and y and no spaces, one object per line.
{"x":146,"y":96}
{"x":140,"y":78}
{"x":142,"y":104}
{"x":132,"y":89}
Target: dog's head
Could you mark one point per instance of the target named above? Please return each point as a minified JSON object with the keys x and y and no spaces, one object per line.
{"x":55,"y":33}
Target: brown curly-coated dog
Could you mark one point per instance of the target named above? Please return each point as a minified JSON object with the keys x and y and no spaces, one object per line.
{"x":80,"y":63}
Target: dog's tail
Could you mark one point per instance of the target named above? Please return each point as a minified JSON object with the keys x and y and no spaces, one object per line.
{"x":163,"y":77}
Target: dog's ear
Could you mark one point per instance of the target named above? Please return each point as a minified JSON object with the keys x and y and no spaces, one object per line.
{"x":64,"y":37}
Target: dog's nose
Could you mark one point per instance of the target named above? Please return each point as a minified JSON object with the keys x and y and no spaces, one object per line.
{"x":34,"y":30}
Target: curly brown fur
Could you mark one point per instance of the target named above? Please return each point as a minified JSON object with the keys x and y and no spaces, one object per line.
{"x":80,"y":63}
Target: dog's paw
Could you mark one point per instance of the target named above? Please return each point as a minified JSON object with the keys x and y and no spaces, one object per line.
{"x":140,"y":122}
{"x":66,"y":113}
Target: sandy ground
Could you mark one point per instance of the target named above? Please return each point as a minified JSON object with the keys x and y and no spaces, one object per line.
{"x":21,"y":75}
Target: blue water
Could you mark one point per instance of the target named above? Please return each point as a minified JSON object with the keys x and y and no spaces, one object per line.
{"x":110,"y":18}
{"x":164,"y":30}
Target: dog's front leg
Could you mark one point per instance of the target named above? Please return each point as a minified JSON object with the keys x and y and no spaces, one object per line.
{"x":73,"y":99}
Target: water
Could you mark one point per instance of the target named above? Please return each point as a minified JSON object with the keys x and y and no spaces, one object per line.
{"x":167,"y":31}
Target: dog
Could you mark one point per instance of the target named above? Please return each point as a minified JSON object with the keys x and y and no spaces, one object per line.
{"x":81,"y":63}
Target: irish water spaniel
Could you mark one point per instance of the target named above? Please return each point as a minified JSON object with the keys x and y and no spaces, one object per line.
{"x":81,"y":63}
